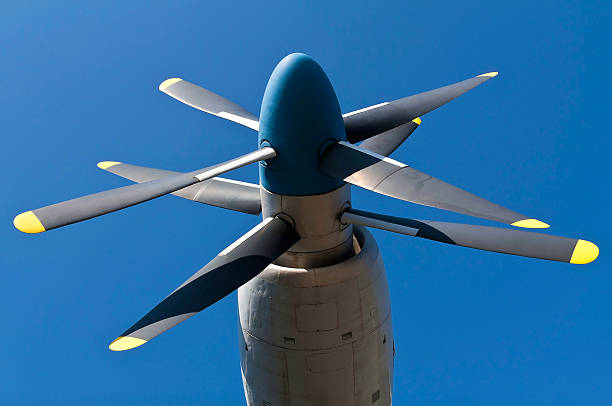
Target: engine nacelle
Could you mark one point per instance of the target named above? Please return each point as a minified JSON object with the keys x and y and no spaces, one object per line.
{"x":319,"y":336}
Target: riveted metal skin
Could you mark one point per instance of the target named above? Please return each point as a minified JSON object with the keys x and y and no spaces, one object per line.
{"x":318,"y":335}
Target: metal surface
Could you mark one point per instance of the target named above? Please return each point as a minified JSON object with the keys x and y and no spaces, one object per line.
{"x":260,"y":155}
{"x":368,"y":122}
{"x":97,"y":204}
{"x":391,"y":178}
{"x":503,"y":240}
{"x":221,"y":192}
{"x":233,"y":267}
{"x":361,"y":218}
{"x":324,"y":240}
{"x":387,"y":142}
{"x":318,"y":336}
{"x":209,"y":102}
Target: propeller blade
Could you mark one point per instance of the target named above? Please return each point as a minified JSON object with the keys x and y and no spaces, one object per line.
{"x":205,"y":100}
{"x":365,"y":123}
{"x":386,"y":176}
{"x":507,"y":241}
{"x":86,"y":207}
{"x":226,"y":193}
{"x":387,"y":142}
{"x":233,"y":267}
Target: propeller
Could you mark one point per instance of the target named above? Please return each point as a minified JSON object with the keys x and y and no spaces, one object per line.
{"x":232,"y":268}
{"x":205,"y":100}
{"x":386,"y":176}
{"x":365,"y":123}
{"x":220,"y":192}
{"x":86,"y":207}
{"x":507,"y":241}
{"x":382,"y":128}
{"x":387,"y":142}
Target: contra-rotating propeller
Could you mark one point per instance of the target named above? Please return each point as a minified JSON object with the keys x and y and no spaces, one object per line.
{"x":381,"y":129}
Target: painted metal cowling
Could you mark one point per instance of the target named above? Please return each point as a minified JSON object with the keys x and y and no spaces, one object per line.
{"x":299,"y":115}
{"x":318,"y":336}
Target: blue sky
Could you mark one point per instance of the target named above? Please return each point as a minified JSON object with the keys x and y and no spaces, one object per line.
{"x":79,"y":85}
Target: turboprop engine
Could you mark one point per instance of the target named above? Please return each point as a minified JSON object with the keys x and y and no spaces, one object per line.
{"x":315,"y":319}
{"x":316,"y":324}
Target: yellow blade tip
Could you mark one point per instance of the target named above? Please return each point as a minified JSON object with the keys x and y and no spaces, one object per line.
{"x":28,"y":223}
{"x":530,"y":223}
{"x":417,"y":121}
{"x":168,"y":82}
{"x":490,"y":74}
{"x":126,"y":343}
{"x":584,"y":252}
{"x":107,"y":164}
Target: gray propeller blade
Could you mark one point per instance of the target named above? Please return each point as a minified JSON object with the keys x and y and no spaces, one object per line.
{"x":205,"y":100}
{"x":507,"y":241}
{"x":389,"y":177}
{"x":232,"y":268}
{"x":367,"y":122}
{"x":226,"y":193}
{"x":387,"y":142}
{"x":86,"y":207}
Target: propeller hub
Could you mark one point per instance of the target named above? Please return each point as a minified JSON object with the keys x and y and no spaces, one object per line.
{"x":299,"y":113}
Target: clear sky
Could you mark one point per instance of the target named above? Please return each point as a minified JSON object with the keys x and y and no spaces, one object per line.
{"x":79,"y":85}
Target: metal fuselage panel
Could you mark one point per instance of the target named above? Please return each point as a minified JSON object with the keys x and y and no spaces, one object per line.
{"x":318,"y":336}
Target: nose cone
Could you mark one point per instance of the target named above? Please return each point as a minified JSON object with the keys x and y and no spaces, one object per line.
{"x":299,"y":113}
